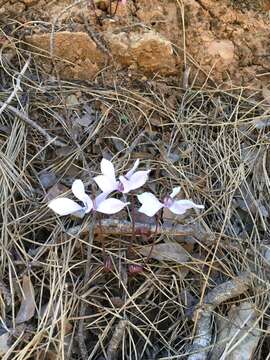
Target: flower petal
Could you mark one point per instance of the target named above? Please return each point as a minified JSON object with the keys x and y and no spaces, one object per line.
{"x":100,"y":198}
{"x":64,"y":206}
{"x":111,"y":206}
{"x":179,"y":207}
{"x":106,"y":184}
{"x":88,"y":203}
{"x":150,"y":204}
{"x":107,"y":169}
{"x":137,"y":180}
{"x":78,"y":190}
{"x":132,"y":170}
{"x":175,"y":191}
{"x":126,"y":184}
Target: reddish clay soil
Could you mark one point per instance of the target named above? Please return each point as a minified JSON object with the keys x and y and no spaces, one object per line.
{"x":224,"y":41}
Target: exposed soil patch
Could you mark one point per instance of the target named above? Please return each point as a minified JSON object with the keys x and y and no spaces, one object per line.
{"x":226,"y":41}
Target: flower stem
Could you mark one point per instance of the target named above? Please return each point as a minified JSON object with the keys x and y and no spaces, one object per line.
{"x":157,"y":218}
{"x":133,"y":236}
{"x":116,"y":8}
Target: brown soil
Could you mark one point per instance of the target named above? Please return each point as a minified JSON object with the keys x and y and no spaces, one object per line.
{"x":225,"y":41}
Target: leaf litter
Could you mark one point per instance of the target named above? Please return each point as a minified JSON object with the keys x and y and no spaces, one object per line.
{"x":28,"y":305}
{"x":213,"y":146}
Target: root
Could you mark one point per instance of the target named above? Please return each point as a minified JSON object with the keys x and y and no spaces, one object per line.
{"x":203,"y":315}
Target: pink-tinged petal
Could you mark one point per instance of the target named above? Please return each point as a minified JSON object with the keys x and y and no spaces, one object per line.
{"x":137,"y":180}
{"x":123,"y":2}
{"x":64,"y":206}
{"x":107,"y":169}
{"x":126,"y":185}
{"x":175,"y":192}
{"x":179,"y":207}
{"x":111,"y":206}
{"x":150,"y":204}
{"x":105,"y":183}
{"x":88,"y":204}
{"x":100,"y":198}
{"x":132,"y":170}
{"x":78,"y":190}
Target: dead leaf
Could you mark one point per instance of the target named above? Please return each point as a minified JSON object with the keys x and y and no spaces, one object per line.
{"x":262,"y":123}
{"x":6,"y":293}
{"x":28,"y":306}
{"x":250,"y":155}
{"x":4,"y":343}
{"x":167,"y":252}
{"x":47,"y":179}
{"x":88,"y":117}
{"x":56,"y":190}
{"x":245,"y":200}
{"x":238,"y":334}
{"x":72,"y":100}
{"x":84,"y":120}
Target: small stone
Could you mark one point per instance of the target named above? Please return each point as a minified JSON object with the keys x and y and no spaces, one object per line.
{"x":78,"y":57}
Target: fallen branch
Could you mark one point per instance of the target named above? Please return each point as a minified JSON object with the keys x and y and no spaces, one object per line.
{"x":203,"y":336}
{"x":81,"y":335}
{"x":116,"y":339}
{"x":34,"y":125}
{"x":123,"y":227}
{"x":17,"y":87}
{"x":228,"y":290}
{"x":203,"y":314}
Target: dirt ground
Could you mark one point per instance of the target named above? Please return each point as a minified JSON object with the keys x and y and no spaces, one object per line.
{"x":221,"y":41}
{"x":182,"y":85}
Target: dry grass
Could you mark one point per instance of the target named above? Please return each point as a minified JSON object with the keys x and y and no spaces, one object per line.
{"x":207,"y":144}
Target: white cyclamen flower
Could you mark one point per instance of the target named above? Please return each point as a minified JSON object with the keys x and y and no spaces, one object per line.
{"x":151,"y":205}
{"x":64,"y":206}
{"x":132,"y":180}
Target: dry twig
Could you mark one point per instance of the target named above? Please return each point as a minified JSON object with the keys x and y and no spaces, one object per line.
{"x":81,"y":337}
{"x":34,"y":125}
{"x":17,"y":86}
{"x":116,"y":339}
{"x":123,"y":227}
{"x":203,"y":314}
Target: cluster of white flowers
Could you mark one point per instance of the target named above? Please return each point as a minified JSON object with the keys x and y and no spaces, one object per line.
{"x":108,"y":183}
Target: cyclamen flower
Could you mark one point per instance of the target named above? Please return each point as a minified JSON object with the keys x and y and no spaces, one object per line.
{"x":65,"y":206}
{"x":132,"y":180}
{"x":151,"y":205}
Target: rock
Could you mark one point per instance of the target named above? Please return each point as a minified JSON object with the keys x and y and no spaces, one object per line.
{"x":153,"y":53}
{"x":77,"y":55}
{"x":150,"y":51}
{"x":223,"y":50}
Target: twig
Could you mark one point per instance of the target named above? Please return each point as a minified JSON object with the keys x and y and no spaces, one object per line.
{"x":124,"y":227}
{"x":93,"y":36}
{"x":203,"y":336}
{"x":228,"y":290}
{"x":203,"y":315}
{"x":81,"y":341}
{"x":34,"y":125}
{"x":116,"y":339}
{"x":17,"y":87}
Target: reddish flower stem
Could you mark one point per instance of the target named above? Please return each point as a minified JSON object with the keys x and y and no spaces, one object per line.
{"x":157,"y":217}
{"x":133,"y":235}
{"x":116,"y":8}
